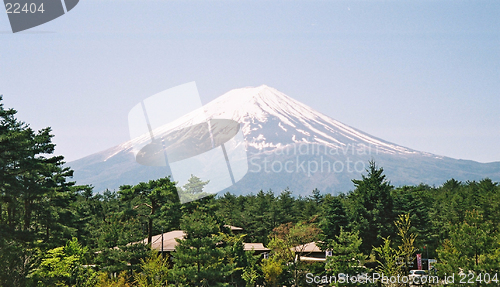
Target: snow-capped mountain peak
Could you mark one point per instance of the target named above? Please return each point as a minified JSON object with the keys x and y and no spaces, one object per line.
{"x":272,"y":119}
{"x":272,"y":124}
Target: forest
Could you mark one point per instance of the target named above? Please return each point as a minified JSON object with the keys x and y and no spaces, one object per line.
{"x":56,"y":233}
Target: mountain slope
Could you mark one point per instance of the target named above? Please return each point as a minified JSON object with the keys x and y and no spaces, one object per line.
{"x":288,"y":145}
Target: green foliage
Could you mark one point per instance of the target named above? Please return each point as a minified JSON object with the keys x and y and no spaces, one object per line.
{"x":15,"y":263}
{"x":472,"y":246}
{"x":407,"y":247}
{"x":252,"y":271}
{"x":122,"y":258}
{"x":346,"y":255}
{"x":236,"y":256}
{"x":272,"y":269}
{"x":105,"y":280}
{"x":230,"y":207}
{"x":64,"y":266}
{"x":287,"y":242}
{"x":333,"y":216}
{"x":154,"y":271}
{"x":388,"y":259}
{"x":286,"y":236}
{"x":418,"y":202}
{"x":260,"y":216}
{"x":200,"y":259}
{"x":40,"y":211}
{"x":192,"y":190}
{"x":111,"y":225}
{"x":152,"y":196}
{"x":34,"y":196}
{"x":370,"y":208}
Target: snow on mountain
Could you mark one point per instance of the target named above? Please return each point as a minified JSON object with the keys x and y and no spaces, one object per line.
{"x":273,"y":124}
{"x":272,"y":119}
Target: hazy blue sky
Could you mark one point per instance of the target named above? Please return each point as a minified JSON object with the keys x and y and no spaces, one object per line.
{"x":422,"y":74}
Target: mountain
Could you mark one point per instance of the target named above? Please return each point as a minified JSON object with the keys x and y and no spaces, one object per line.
{"x":288,"y":145}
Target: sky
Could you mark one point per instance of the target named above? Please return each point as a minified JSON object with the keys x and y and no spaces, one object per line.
{"x":421,"y":74}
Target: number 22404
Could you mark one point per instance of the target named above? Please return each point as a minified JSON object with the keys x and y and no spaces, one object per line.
{"x":13,"y":8}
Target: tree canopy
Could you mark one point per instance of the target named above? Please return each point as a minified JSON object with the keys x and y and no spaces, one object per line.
{"x":56,"y":233}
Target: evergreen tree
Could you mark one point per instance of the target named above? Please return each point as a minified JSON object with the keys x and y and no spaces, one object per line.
{"x":370,"y":208}
{"x":418,"y":202}
{"x":252,"y":272}
{"x":230,"y":208}
{"x":259,"y":217}
{"x":201,"y":258}
{"x":346,"y":255}
{"x":152,"y":196}
{"x":34,"y":196}
{"x":472,"y":246}
{"x":283,"y":208}
{"x":333,"y":216}
{"x":192,"y":190}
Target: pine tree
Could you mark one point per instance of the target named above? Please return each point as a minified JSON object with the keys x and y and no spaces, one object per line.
{"x":333,"y":216}
{"x":152,"y":196}
{"x":259,"y":217}
{"x":201,"y":258}
{"x":346,"y":255}
{"x":34,"y":196}
{"x":472,"y":245}
{"x":370,"y":208}
{"x":192,"y":190}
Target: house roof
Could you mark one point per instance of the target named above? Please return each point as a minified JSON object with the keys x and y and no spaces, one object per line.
{"x":169,"y":241}
{"x":255,"y":247}
{"x":307,"y":248}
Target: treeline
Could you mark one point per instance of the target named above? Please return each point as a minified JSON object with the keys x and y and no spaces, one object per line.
{"x":54,"y":233}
